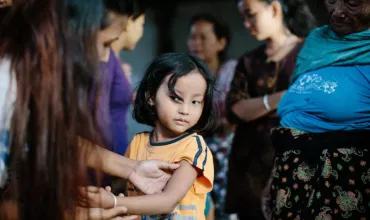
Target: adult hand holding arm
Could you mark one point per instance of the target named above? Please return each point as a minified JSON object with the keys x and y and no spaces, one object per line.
{"x":149,"y":176}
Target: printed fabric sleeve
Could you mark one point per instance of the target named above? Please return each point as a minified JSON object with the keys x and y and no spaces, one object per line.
{"x":238,"y":90}
{"x":199,"y":156}
{"x":3,"y":159}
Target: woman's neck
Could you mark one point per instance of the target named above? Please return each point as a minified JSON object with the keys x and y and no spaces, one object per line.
{"x":103,"y":50}
{"x":213,"y":65}
{"x":105,"y":54}
{"x":280,"y":44}
{"x":119,"y":45}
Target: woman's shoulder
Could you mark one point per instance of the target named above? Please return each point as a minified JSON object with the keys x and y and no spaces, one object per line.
{"x":4,"y":67}
{"x":228,"y":66}
{"x":229,"y":62}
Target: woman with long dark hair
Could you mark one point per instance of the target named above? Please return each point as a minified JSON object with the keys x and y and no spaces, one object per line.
{"x":49,"y":71}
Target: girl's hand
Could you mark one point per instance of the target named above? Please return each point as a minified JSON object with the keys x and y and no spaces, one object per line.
{"x":151,"y":176}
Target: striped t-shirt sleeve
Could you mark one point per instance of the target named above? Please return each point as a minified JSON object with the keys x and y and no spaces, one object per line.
{"x":199,"y":155}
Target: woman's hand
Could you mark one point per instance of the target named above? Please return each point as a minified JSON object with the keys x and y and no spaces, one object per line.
{"x":117,"y":213}
{"x":151,"y":176}
{"x":101,"y":205}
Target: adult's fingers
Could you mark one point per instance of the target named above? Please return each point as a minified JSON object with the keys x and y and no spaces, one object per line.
{"x":129,"y":217}
{"x":114,"y":212}
{"x":167,"y":166}
{"x":108,"y":188}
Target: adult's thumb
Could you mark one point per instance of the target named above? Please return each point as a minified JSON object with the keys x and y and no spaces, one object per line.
{"x":114,"y":212}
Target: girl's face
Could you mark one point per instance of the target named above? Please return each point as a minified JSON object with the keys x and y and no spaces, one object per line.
{"x":259,"y":18}
{"x":5,"y":3}
{"x":203,"y":41}
{"x":179,"y":112}
{"x":348,"y":16}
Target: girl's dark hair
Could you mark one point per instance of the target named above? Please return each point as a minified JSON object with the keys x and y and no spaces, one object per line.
{"x":297,"y":16}
{"x":53,"y":79}
{"x":179,"y":65}
{"x":220,"y":29}
{"x":133,"y":8}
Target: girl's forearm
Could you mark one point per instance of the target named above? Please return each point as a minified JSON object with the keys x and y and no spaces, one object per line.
{"x":160,"y":203}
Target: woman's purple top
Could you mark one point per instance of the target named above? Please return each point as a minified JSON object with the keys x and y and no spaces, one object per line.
{"x":114,"y":103}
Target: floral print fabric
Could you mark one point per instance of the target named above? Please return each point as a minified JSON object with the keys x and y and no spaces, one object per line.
{"x":336,"y":187}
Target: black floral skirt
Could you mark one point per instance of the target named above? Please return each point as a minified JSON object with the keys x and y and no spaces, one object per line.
{"x":320,"y":176}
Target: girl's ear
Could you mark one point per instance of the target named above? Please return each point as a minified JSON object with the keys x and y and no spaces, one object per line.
{"x":150,"y":102}
{"x":150,"y":99}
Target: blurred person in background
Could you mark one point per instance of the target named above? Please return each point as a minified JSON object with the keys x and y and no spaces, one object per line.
{"x":129,"y":38}
{"x":261,"y":79}
{"x":116,"y":93}
{"x":209,"y":39}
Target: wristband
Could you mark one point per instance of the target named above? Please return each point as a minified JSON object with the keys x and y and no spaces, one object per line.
{"x":115,"y":200}
{"x":266,"y":103}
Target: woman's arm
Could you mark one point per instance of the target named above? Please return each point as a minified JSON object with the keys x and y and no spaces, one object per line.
{"x":254,"y":108}
{"x":239,"y":103}
{"x":82,"y":213}
{"x":161,"y":203}
{"x":149,"y":176}
{"x":106,"y":161}
{"x":8,"y":210}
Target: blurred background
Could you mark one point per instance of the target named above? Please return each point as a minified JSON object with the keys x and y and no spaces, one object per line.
{"x":167,"y":26}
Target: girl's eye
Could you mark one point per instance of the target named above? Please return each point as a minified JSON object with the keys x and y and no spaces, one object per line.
{"x":196,"y":102}
{"x":175,"y":98}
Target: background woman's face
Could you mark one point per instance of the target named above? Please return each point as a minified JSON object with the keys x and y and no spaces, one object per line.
{"x":134,"y":31}
{"x":348,"y":16}
{"x":203,"y":41}
{"x":258,"y":18}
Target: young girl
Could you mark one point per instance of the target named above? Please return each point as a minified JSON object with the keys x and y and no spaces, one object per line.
{"x":175,"y":97}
